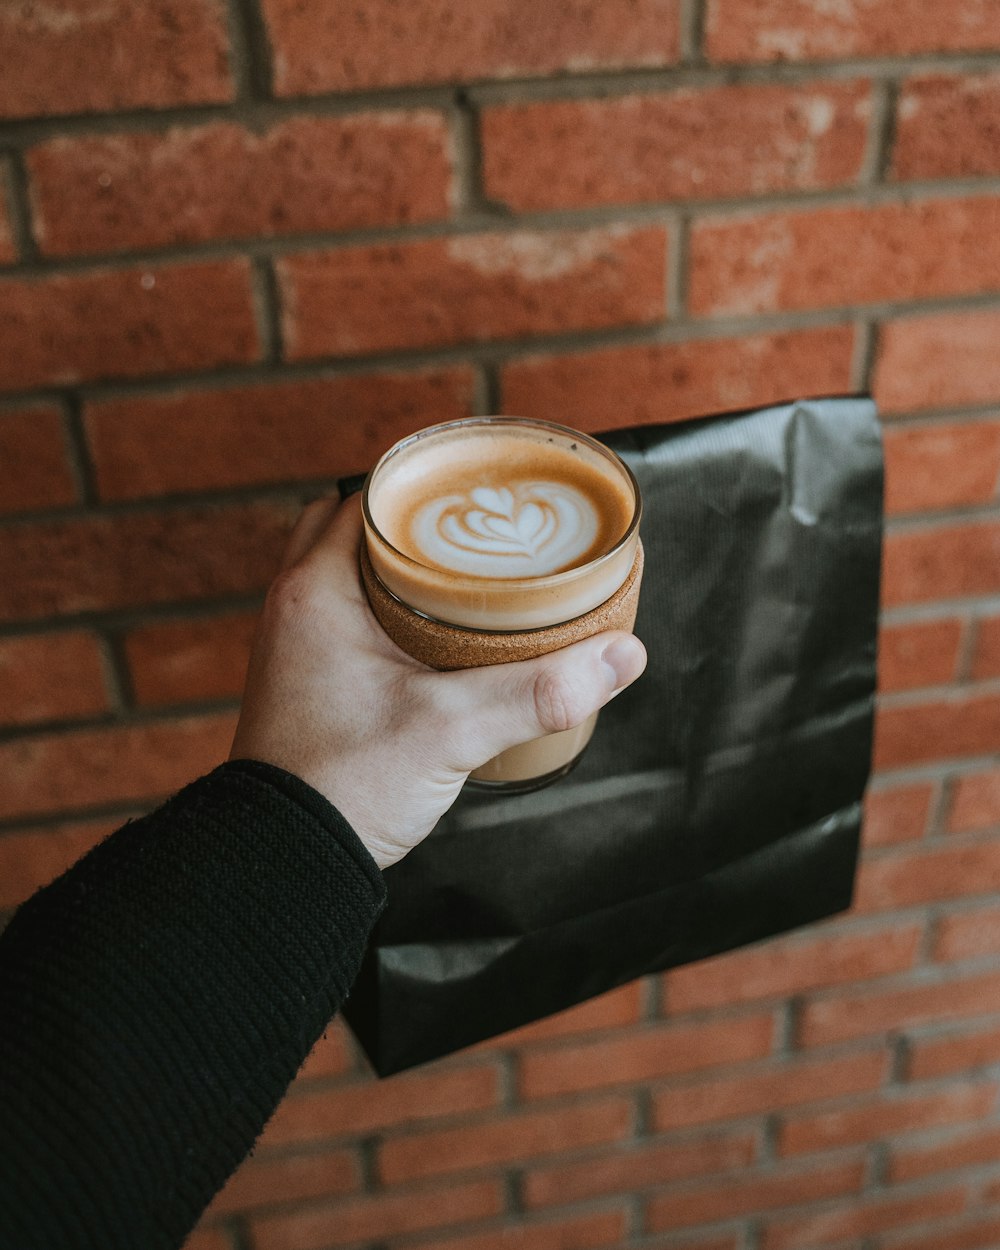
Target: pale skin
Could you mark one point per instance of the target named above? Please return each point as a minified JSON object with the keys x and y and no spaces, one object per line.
{"x":387,"y":740}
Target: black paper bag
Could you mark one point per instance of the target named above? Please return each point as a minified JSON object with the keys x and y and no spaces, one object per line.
{"x":719,"y":801}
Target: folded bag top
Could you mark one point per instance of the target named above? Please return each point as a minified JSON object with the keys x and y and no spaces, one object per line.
{"x":719,"y":801}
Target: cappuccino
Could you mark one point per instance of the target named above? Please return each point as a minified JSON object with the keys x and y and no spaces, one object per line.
{"x":501,"y":525}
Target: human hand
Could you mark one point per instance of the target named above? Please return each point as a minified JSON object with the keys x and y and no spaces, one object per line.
{"x":387,"y":740}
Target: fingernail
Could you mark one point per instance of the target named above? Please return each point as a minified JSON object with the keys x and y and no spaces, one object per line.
{"x":624,"y":660}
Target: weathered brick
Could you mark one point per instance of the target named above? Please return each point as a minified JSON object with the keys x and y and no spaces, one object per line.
{"x":861,"y":1217}
{"x":844,"y":1015}
{"x":517,"y":1137}
{"x":638,"y":385}
{"x":317,"y":1227}
{"x":614,"y":1010}
{"x":288,"y":1179}
{"x":968,"y":934}
{"x":977,"y":1233}
{"x":33,"y":455}
{"x":799,"y":30}
{"x":920,"y":653}
{"x":32,"y":858}
{"x":190,"y":661}
{"x":110,"y":193}
{"x":594,"y":1231}
{"x":947,"y":126}
{"x":975,"y":802}
{"x":791,"y":1083}
{"x":789,"y":966}
{"x":751,"y":1193}
{"x":883,"y":1116}
{"x":74,"y":56}
{"x":105,"y":562}
{"x":941,"y":562}
{"x":938,"y":360}
{"x":944,"y":465}
{"x":635,"y":1166}
{"x":709,"y":143}
{"x":908,"y":877}
{"x":362,"y":1106}
{"x":322,"y":48}
{"x":120,"y":764}
{"x":197,"y":440}
{"x":470,"y":288}
{"x":108,"y":323}
{"x":958,"y":1151}
{"x":946,"y":728}
{"x":644,"y":1055}
{"x":51,"y":677}
{"x":986,"y":652}
{"x":899,"y":814}
{"x":333,"y":1055}
{"x":209,"y":1238}
{"x":841,"y":257}
{"x":952,"y":1053}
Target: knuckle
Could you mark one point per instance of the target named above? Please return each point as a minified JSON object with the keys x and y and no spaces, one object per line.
{"x":559,"y":703}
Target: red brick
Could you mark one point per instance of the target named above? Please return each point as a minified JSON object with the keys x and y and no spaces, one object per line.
{"x":833,"y":257}
{"x":601,"y":1229}
{"x":762,"y":1092}
{"x":292,"y":1178}
{"x":668,"y":381}
{"x":361,"y":1107}
{"x":790,"y":966}
{"x":968,"y":934}
{"x":849,"y":1014}
{"x":938,"y":360}
{"x":635,"y":1166}
{"x":74,"y":56}
{"x":986,"y":654}
{"x":947,"y":126}
{"x":982,"y":1233}
{"x":33,"y":452}
{"x":190,"y":661}
{"x":209,"y":1239}
{"x":869,"y":1215}
{"x":377,"y":1216}
{"x":32,"y":858}
{"x":109,"y":193}
{"x":121,"y":764}
{"x":471,"y":288}
{"x":950,"y":465}
{"x":964,"y":1150}
{"x":975,"y":802}
{"x":333,"y":1055}
{"x":897,"y":815}
{"x":51,"y":677}
{"x":941,"y":562}
{"x":920,"y":653}
{"x":617,"y":1009}
{"x":321,"y":48}
{"x":751,"y":1193}
{"x":517,"y":1137}
{"x":952,"y":1053}
{"x":910,"y":877}
{"x":947,"y":728}
{"x":197,"y":440}
{"x":644,"y":1055}
{"x":709,"y":143}
{"x":108,"y":323}
{"x":104,"y":562}
{"x":884,"y":1116}
{"x":796,"y":30}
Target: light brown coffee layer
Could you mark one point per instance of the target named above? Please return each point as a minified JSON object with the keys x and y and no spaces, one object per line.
{"x":448,"y":647}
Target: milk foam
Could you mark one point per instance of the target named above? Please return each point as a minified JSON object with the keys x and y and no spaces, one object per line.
{"x":524,"y":529}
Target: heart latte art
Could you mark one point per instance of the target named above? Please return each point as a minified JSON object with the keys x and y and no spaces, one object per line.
{"x":524,"y":529}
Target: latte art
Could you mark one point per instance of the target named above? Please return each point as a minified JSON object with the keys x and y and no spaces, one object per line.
{"x":525,"y":529}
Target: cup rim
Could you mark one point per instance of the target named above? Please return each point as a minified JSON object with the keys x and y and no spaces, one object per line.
{"x":511,"y":583}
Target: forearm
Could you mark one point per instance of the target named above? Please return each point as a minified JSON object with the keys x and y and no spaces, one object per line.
{"x":156,"y":1001}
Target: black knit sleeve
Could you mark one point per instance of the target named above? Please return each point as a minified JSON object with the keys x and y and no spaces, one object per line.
{"x":156,"y":1001}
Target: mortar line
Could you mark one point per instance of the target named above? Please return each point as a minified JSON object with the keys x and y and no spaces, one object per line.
{"x":18,"y":198}
{"x":252,"y":55}
{"x":692,"y":33}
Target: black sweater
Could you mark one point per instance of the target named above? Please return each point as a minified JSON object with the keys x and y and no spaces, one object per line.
{"x":156,"y":1001}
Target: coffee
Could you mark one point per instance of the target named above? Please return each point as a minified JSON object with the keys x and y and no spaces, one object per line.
{"x":494,"y":539}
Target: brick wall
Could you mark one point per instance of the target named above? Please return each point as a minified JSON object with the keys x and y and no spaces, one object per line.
{"x":243,"y":247}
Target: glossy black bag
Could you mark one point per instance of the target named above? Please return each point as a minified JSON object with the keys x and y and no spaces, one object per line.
{"x":719,"y":801}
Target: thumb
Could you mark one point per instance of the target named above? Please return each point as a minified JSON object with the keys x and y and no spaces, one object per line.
{"x":513,"y":703}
